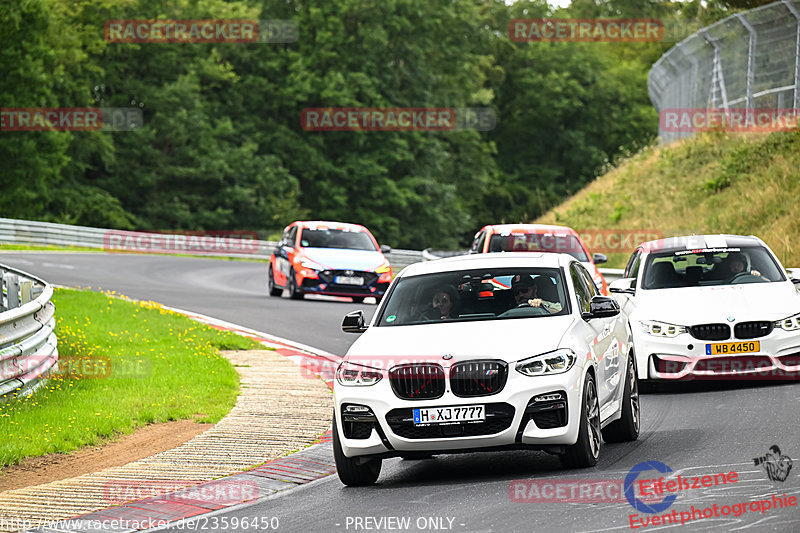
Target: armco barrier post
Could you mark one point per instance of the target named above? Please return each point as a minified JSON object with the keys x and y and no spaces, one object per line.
{"x":12,"y":291}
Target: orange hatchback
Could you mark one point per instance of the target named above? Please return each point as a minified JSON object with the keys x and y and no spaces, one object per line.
{"x":334,"y":258}
{"x":540,"y":238}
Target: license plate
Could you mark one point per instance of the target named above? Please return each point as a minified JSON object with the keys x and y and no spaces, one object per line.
{"x":721,"y":348}
{"x":348,"y":280}
{"x":445,"y":415}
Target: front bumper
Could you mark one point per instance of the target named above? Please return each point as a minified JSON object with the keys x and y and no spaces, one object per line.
{"x":313,"y":282}
{"x":511,"y":420}
{"x":684,"y":358}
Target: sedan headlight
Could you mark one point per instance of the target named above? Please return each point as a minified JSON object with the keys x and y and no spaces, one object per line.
{"x":353,"y":375}
{"x":556,"y":362}
{"x":789,"y":324}
{"x":661,"y":329}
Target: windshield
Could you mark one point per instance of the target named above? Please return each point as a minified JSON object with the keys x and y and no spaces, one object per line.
{"x":718,"y":266}
{"x":336,"y":238}
{"x":487,"y":294}
{"x":538,"y":242}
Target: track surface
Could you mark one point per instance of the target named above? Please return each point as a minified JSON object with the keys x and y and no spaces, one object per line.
{"x":697,"y":429}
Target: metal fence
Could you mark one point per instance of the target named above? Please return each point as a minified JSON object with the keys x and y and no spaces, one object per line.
{"x":27,"y":232}
{"x":747,"y":61}
{"x":28,"y":345}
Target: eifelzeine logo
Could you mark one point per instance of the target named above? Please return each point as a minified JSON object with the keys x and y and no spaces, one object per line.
{"x":200,"y":31}
{"x":70,"y":119}
{"x":586,"y":30}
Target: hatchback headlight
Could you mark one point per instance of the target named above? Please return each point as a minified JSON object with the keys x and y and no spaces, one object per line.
{"x":789,"y":324}
{"x":313,"y":265}
{"x":353,"y":375}
{"x":661,"y":329}
{"x":556,"y":362}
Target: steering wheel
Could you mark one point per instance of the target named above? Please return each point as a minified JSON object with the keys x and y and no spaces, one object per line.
{"x":539,"y":310}
{"x":432,"y":313}
{"x":740,"y":277}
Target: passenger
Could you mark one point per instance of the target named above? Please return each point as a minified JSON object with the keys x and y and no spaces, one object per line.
{"x":444,"y":304}
{"x":526,"y":290}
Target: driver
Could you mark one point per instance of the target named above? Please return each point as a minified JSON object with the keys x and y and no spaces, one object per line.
{"x":526,"y":290}
{"x":737,"y":264}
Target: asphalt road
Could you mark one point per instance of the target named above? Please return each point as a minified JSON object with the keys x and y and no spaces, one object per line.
{"x":696,"y":429}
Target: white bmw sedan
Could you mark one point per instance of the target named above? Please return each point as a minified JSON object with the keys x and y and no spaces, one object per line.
{"x":711,"y":307}
{"x":485,"y":352}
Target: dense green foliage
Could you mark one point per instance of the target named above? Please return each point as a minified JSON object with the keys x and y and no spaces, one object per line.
{"x":222,"y":146}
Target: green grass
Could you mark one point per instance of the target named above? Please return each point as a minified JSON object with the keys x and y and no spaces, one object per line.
{"x":164,"y":367}
{"x":711,"y":183}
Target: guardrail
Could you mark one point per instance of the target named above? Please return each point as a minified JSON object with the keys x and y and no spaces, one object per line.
{"x":28,"y":344}
{"x":28,"y":232}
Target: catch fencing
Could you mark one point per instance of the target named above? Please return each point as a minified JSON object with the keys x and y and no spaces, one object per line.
{"x":745,"y":62}
{"x":28,"y":344}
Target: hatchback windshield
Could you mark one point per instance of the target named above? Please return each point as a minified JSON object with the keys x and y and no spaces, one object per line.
{"x":336,"y":238}
{"x":538,"y":242}
{"x":486,"y":294}
{"x":718,"y":266}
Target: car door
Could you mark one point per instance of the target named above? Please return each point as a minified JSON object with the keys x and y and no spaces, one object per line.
{"x":285,"y":253}
{"x":602,"y":339}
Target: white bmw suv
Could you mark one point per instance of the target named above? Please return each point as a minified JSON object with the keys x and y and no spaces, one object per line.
{"x":485,"y":352}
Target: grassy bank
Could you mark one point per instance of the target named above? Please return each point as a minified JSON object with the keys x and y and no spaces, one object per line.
{"x":712,"y":183}
{"x":157,"y":366}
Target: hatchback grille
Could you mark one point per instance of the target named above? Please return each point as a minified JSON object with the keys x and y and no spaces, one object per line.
{"x":710,"y":332}
{"x":499,"y":417}
{"x":423,"y":381}
{"x":329,"y":276}
{"x":478,"y":378}
{"x":752,"y":330}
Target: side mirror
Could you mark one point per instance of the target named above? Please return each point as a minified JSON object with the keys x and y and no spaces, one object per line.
{"x":354,"y":322}
{"x":794,"y":275}
{"x":623,"y":286}
{"x":386,"y":249}
{"x":601,"y":307}
{"x":599,"y":259}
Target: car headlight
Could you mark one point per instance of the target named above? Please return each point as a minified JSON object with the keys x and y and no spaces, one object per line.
{"x":352,"y":375}
{"x":661,"y":329}
{"x":313,"y":265}
{"x":556,"y":362}
{"x":791,"y":323}
{"x":384,"y":268}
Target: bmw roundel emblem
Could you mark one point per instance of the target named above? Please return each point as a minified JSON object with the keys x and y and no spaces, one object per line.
{"x":447,"y":357}
{"x":731,"y":319}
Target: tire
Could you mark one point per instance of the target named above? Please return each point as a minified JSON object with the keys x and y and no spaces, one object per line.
{"x":294,"y":291}
{"x":627,"y":427}
{"x":272,"y":289}
{"x":586,"y":451}
{"x":358,"y":299}
{"x":354,"y":471}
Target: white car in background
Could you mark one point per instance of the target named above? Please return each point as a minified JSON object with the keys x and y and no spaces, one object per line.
{"x":713,"y":307}
{"x":482,"y":370}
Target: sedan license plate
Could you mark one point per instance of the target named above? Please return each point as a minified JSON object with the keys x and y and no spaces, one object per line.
{"x":445,"y":415}
{"x":348,"y":280}
{"x":721,"y":348}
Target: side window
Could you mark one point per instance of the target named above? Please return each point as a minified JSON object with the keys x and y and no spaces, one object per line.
{"x":632,"y":268}
{"x":581,"y":290}
{"x":591,"y":288}
{"x":292,"y":237}
{"x":477,"y":244}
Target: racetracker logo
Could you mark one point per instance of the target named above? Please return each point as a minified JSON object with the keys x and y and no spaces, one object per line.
{"x":609,"y":241}
{"x":201,"y":31}
{"x":194,"y":242}
{"x":732,"y":120}
{"x":397,"y":118}
{"x":70,"y":119}
{"x":222,"y":492}
{"x":586,"y":30}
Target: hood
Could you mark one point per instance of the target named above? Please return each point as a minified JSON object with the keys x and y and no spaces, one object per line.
{"x":703,"y":305}
{"x":509,"y":340}
{"x":341,"y":259}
